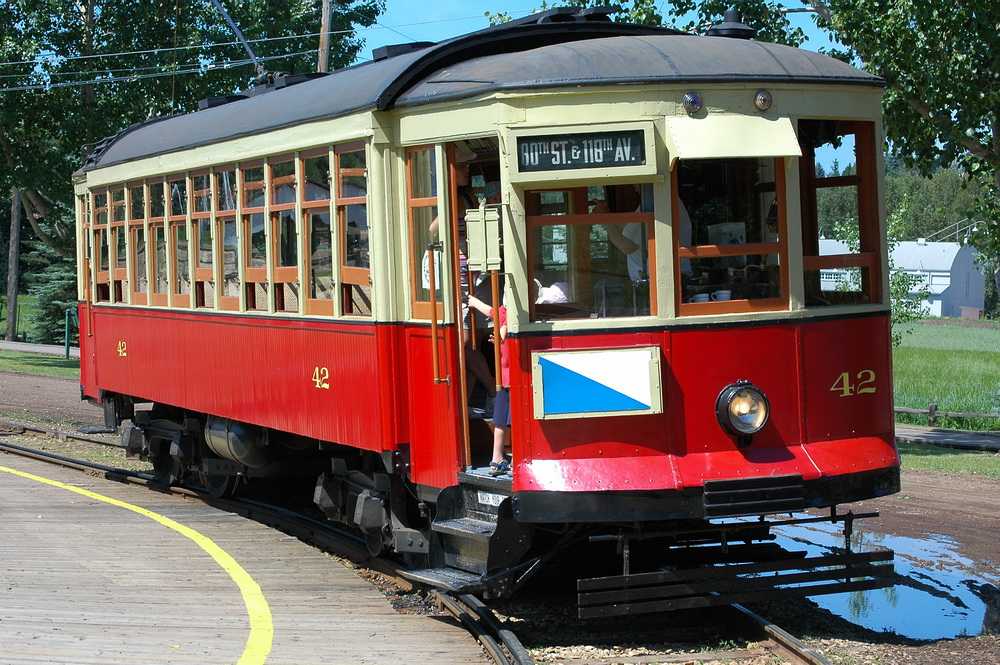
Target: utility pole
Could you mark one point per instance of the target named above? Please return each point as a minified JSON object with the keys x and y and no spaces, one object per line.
{"x":324,"y":39}
{"x":12,"y":263}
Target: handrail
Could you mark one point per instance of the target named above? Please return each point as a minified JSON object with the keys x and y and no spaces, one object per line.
{"x":432,"y":283}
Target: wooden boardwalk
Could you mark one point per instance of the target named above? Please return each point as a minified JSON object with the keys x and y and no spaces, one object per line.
{"x":90,"y":582}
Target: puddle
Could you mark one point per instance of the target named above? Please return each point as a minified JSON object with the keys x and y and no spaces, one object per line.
{"x":939,"y":593}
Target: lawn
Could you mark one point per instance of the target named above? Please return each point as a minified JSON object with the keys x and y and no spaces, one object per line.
{"x":34,"y":363}
{"x":954,"y":365}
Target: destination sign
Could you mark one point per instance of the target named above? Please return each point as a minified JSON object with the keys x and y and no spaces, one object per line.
{"x":559,"y":152}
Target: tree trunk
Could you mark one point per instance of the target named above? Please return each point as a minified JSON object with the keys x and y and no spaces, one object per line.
{"x":12,"y":264}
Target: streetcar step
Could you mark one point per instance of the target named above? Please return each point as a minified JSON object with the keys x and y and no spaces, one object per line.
{"x":458,"y":581}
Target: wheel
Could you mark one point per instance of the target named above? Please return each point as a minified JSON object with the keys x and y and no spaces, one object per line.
{"x":220,"y":487}
{"x":168,"y":470}
{"x":374,"y":543}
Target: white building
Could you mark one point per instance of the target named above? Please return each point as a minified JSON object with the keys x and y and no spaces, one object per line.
{"x":948,"y":271}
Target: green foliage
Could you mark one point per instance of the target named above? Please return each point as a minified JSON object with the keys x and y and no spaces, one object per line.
{"x":52,"y":283}
{"x":103,"y":66}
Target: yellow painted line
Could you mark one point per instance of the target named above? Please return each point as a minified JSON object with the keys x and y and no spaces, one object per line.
{"x":261,"y":628}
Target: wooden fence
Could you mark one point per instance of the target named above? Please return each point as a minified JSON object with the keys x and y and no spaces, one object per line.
{"x":932,"y":413}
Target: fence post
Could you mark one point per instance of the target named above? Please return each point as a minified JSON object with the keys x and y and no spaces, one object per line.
{"x":931,"y":415}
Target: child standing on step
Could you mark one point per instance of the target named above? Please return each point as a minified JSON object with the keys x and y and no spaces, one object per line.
{"x":499,"y":465}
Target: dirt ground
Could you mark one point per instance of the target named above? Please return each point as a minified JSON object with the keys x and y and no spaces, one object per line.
{"x":959,"y":506}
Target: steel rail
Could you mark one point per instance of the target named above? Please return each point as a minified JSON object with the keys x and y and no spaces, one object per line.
{"x":501,"y":645}
{"x":787,"y":645}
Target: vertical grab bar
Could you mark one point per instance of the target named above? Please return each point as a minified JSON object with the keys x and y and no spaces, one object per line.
{"x":432,"y":283}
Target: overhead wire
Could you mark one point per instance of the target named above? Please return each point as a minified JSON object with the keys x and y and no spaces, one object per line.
{"x":193,"y":68}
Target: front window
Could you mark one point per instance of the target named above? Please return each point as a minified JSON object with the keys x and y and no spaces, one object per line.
{"x":730,"y":235}
{"x":840,"y":230}
{"x":591,"y":252}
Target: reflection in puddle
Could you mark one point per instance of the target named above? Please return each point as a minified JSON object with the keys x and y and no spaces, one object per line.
{"x":939,"y":593}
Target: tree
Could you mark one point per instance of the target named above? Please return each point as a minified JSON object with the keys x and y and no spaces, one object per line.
{"x":76,"y":71}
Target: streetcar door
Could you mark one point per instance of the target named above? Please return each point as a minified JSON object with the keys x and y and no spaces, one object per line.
{"x":433,"y":342}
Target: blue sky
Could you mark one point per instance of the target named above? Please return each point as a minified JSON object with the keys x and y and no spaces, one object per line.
{"x":435,"y":20}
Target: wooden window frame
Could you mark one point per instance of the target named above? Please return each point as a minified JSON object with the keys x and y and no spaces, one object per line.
{"x":420,"y":309}
{"x":780,"y":247}
{"x":157,"y":298}
{"x":202,"y":275}
{"x":252,"y":276}
{"x":176,"y":221}
{"x":317,"y":306}
{"x":350,"y":276}
{"x":868,"y":258}
{"x":137,"y":222}
{"x":99,"y":227}
{"x":221,"y":216}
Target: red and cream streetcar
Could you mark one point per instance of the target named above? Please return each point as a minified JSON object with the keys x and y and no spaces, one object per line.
{"x":275,"y":286}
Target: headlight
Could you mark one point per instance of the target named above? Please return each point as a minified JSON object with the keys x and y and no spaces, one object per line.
{"x":742,"y":409}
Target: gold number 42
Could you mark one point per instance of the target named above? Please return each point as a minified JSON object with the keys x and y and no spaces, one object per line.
{"x":865,"y":383}
{"x":321,"y":378}
{"x":122,"y":349}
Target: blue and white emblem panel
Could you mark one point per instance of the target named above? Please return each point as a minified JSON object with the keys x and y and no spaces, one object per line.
{"x":603,"y":382}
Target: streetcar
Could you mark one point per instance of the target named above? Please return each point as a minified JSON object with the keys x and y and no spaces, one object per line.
{"x":278,"y":286}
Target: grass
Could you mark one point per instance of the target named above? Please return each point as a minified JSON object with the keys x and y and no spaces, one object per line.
{"x":949,"y":460}
{"x":34,"y":363}
{"x":951,"y":364}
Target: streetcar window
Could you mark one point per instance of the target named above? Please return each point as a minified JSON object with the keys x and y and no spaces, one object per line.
{"x":137,"y":207}
{"x":202,"y":193}
{"x":230,"y":264}
{"x":118,"y":205}
{"x":157,"y":200}
{"x":139,"y":279}
{"x":320,"y":256}
{"x":352,"y":220}
{"x":178,"y":197}
{"x":425,"y":261}
{"x":225,"y":189}
{"x":181,"y":264}
{"x":159,"y":248}
{"x":591,"y":251}
{"x":729,"y":234}
{"x":316,"y":170}
{"x":120,"y":247}
{"x":839,"y":213}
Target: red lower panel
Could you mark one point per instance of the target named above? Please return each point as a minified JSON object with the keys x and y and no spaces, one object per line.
{"x":315,"y":378}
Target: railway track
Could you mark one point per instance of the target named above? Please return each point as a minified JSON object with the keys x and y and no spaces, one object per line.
{"x":500,"y":643}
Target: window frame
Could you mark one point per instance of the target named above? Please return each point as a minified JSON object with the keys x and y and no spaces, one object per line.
{"x":864,"y":179}
{"x":779,"y":247}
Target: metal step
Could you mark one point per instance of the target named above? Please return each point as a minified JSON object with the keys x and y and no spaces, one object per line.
{"x":447,"y":578}
{"x":465,"y":542}
{"x":466,"y":527}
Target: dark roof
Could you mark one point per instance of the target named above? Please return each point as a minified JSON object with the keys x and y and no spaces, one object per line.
{"x":517,"y":56}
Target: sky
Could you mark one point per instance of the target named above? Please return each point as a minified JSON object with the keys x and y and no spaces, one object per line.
{"x":435,"y":20}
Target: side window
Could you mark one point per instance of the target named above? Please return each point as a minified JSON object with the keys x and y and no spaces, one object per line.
{"x":158,"y":242}
{"x":137,"y":231}
{"x":255,"y":237}
{"x":118,"y":242}
{"x":225,"y":230}
{"x":730,"y":235}
{"x":841,"y":255}
{"x":180,"y":267}
{"x":422,"y":212}
{"x":202,"y":240}
{"x":284,"y":234}
{"x":352,"y":222}
{"x":316,"y":201}
{"x":591,"y":252}
{"x":102,"y":248}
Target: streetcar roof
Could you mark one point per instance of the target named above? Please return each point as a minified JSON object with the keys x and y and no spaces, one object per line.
{"x":510,"y":57}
